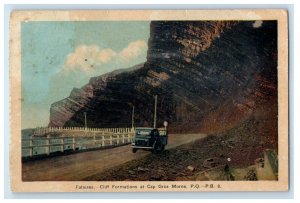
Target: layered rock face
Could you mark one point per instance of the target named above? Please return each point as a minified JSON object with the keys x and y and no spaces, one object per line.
{"x":208,"y":75}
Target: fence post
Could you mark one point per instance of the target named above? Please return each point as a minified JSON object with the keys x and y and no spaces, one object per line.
{"x":118,"y":137}
{"x":111,"y":141}
{"x":73,"y":143}
{"x":128,"y":137}
{"x":103,"y":143}
{"x":48,"y":145}
{"x":62,"y":144}
{"x":94,"y":139}
{"x":123,"y":137}
{"x":31,"y":147}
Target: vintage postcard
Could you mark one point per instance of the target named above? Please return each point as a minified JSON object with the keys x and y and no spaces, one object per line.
{"x":149,"y":101}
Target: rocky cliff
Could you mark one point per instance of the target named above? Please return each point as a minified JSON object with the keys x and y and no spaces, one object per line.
{"x":208,"y":76}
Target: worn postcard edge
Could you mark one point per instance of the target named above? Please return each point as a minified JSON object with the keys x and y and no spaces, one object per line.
{"x":17,"y":17}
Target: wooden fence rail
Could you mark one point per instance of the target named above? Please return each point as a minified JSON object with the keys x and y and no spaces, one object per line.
{"x":42,"y":131}
{"x":37,"y":145}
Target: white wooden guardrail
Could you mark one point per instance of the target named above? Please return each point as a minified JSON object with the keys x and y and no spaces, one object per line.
{"x":49,"y":140}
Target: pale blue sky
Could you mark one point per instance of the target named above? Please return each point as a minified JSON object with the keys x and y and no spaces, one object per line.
{"x":58,"y":56}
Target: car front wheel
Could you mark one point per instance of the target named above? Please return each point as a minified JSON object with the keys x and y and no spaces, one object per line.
{"x":159,"y":147}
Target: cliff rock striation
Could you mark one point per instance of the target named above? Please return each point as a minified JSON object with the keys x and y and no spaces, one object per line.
{"x":208,"y":75}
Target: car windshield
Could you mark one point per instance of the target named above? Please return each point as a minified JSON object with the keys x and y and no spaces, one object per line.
{"x":143,"y":132}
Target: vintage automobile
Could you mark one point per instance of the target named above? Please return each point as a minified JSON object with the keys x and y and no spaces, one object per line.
{"x":149,"y":139}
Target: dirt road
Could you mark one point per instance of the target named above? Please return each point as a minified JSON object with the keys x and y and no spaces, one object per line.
{"x":81,"y":165}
